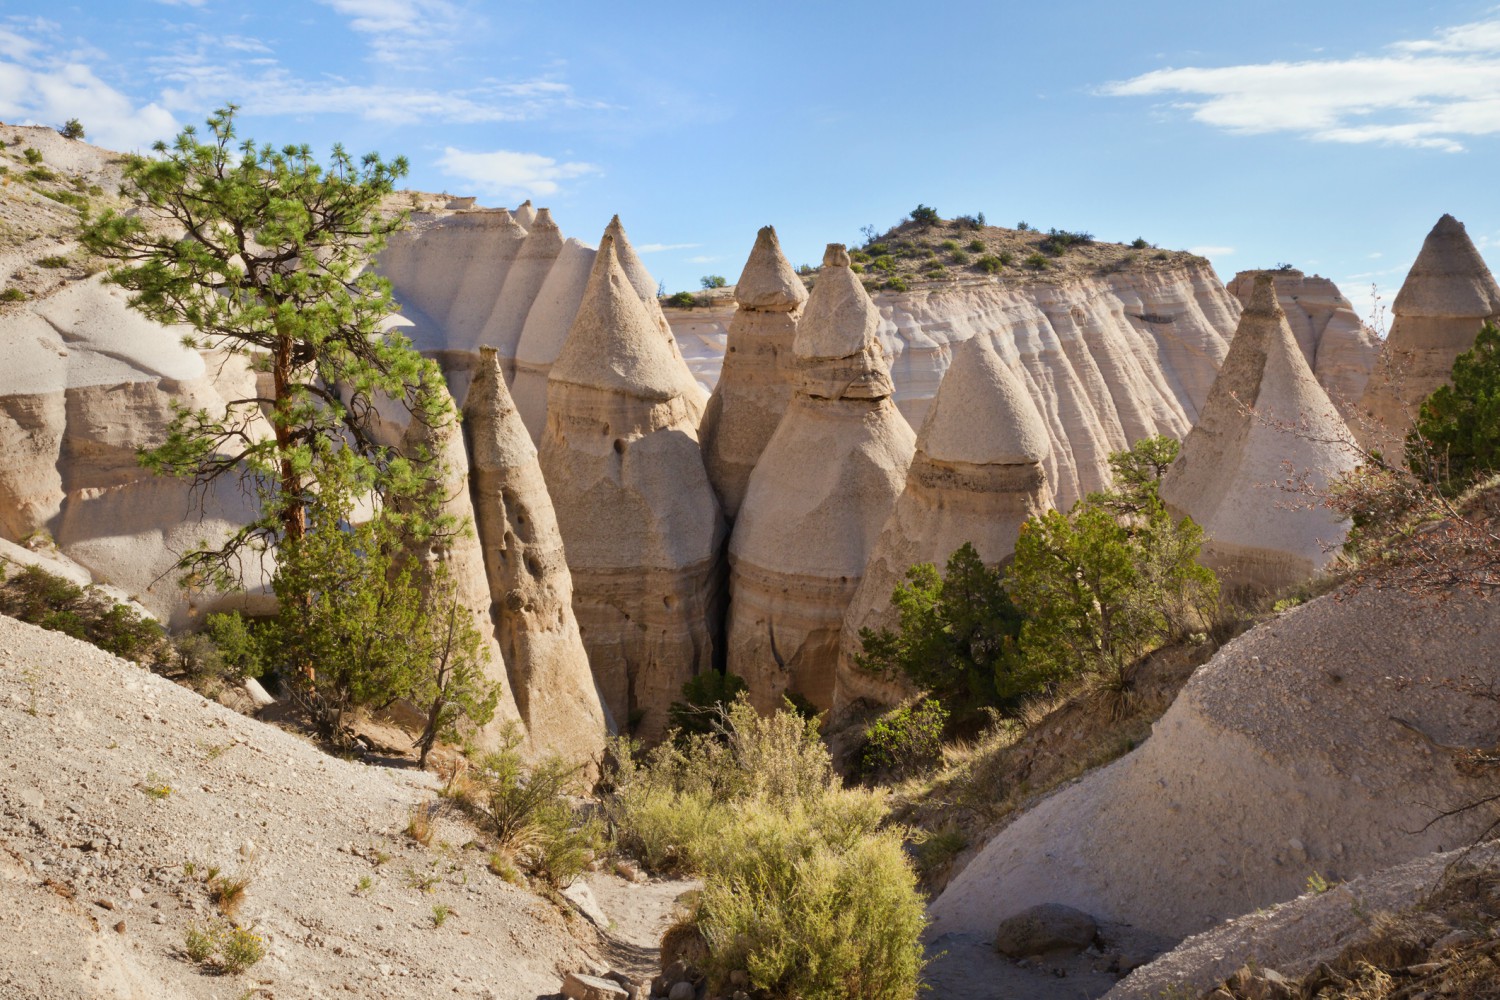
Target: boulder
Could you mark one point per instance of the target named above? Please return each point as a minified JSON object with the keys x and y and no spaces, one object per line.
{"x":817,"y":499}
{"x":640,"y":523}
{"x":529,"y":583}
{"x":1267,"y":422}
{"x":1045,"y":929}
{"x":755,"y":384}
{"x":578,"y":986}
{"x":1448,"y":295}
{"x":977,"y":476}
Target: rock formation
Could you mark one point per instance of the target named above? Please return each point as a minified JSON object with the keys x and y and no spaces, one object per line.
{"x":640,"y":523}
{"x":1266,"y":421}
{"x":529,"y":581}
{"x":548,"y":320}
{"x":523,"y":283}
{"x":1278,"y":759}
{"x":977,"y":476}
{"x":755,"y":384}
{"x":525,"y":214}
{"x":1447,"y":296}
{"x":462,"y":555}
{"x":1108,"y":358}
{"x":817,"y":498}
{"x":1339,"y":348}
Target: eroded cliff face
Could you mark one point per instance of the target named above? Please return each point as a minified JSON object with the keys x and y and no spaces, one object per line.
{"x":1108,"y":359}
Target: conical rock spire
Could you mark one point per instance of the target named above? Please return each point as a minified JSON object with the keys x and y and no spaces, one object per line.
{"x":1266,"y":421}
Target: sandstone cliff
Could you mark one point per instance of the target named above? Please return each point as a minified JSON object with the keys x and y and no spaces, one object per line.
{"x":817,"y":498}
{"x":640,"y":523}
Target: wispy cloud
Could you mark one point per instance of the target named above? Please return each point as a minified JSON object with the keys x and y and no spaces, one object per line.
{"x":659,"y":247}
{"x":183,"y":3}
{"x":40,"y":87}
{"x":402,"y":32}
{"x":1211,"y":251}
{"x":507,"y":174}
{"x":701,"y":259}
{"x":1426,"y":93}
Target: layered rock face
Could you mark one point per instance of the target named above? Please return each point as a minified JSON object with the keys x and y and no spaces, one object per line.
{"x":817,"y":498}
{"x":755,"y":383}
{"x":1108,"y":359}
{"x":977,"y":476}
{"x":639,"y":519}
{"x":1447,"y":296}
{"x":1279,"y":758}
{"x":529,"y":582}
{"x":1340,"y":350}
{"x":87,"y":384}
{"x":1267,"y":421}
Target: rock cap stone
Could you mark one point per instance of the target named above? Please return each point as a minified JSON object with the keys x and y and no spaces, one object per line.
{"x":840,"y":320}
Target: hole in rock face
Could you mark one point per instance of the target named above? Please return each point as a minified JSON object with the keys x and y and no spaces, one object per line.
{"x":619,"y":446}
{"x":533,"y":565}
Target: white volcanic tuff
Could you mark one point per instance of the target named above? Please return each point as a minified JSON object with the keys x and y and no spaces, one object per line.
{"x":639,"y":519}
{"x":523,"y":282}
{"x":1340,"y":350}
{"x":547,"y":324}
{"x":462,"y":555}
{"x":755,"y":384}
{"x":817,"y":498}
{"x":1107,"y":359}
{"x":1279,"y":758}
{"x":1445,"y":300}
{"x":1266,"y":421}
{"x":529,"y":582}
{"x":90,"y":382}
{"x":976,"y":478}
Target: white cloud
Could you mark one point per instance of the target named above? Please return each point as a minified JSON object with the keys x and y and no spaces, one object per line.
{"x":508,"y":174}
{"x":183,"y":3}
{"x":39,"y":88}
{"x":1211,"y":251}
{"x":659,"y":247}
{"x":401,"y":31}
{"x":1424,"y":94}
{"x":701,"y":260}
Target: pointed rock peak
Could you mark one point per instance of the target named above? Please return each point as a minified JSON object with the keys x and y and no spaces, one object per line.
{"x":613,"y":344}
{"x":982,"y":414}
{"x":1449,"y":278}
{"x":525,"y":213}
{"x":1263,"y":298}
{"x":840,"y":320}
{"x":499,"y":437}
{"x":769,"y":282}
{"x":630,"y":261}
{"x":543,"y":238}
{"x":543,"y":219}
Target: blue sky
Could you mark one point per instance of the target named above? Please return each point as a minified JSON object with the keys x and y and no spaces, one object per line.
{"x":1329,"y":135}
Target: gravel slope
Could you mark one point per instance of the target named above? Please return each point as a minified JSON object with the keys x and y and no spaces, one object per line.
{"x":84,"y":848}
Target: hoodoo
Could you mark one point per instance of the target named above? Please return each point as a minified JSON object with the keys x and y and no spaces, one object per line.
{"x":977,"y":476}
{"x":755,"y":383}
{"x":546,"y":328}
{"x":461,"y":554}
{"x":523,"y":283}
{"x":817,"y":499}
{"x":528,"y":576}
{"x":1266,"y":421}
{"x":1447,"y":296}
{"x":1340,"y":350}
{"x":639,"y":519}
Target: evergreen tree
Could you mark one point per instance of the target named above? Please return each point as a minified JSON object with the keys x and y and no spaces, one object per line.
{"x":1456,"y":438}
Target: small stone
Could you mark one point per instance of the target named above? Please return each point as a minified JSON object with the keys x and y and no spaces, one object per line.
{"x":386,"y":969}
{"x":120,"y":927}
{"x":577,"y":986}
{"x":108,"y":904}
{"x":682,"y":991}
{"x":1043,"y":929}
{"x":136,"y":893}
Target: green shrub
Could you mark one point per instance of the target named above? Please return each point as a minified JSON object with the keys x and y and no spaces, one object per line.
{"x":1456,"y":437}
{"x":989,"y":264}
{"x":1023,"y":227}
{"x":925,"y":215}
{"x":877,"y":249}
{"x":905,"y":740}
{"x":859,"y":257}
{"x":970,"y":221}
{"x":897,"y":284}
{"x":713,"y":281}
{"x":950,"y":245}
{"x":1007,"y":258}
{"x":976,"y":246}
{"x":527,"y":810}
{"x":33,"y":156}
{"x":959,"y":257}
{"x":1139,"y":243}
{"x":705,"y":702}
{"x":885,"y":262}
{"x":682,"y":300}
{"x":40,"y":175}
{"x":238,"y":647}
{"x":53,"y":262}
{"x":12,"y":295}
{"x":857,"y":268}
{"x":51,"y":602}
{"x":1037,"y":262}
{"x":72,"y":129}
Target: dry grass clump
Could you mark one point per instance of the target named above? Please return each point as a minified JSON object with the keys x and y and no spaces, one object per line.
{"x":805,"y":887}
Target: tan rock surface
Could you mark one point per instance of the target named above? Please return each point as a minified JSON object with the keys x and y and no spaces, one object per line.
{"x":755,"y":384}
{"x":640,"y":523}
{"x":523,"y":282}
{"x":1447,"y":296}
{"x":1339,"y":348}
{"x":976,"y":478}
{"x":463,"y":554}
{"x":530,"y":586}
{"x":547,"y":325}
{"x":817,"y":498}
{"x":1279,"y":758}
{"x":1266,"y":422}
